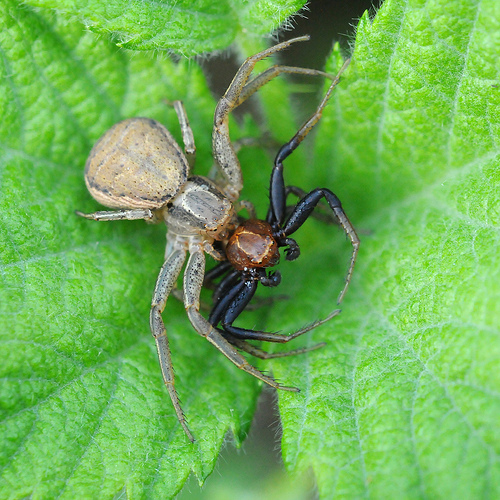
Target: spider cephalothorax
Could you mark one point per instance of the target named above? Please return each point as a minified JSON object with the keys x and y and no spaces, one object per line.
{"x":253,"y":246}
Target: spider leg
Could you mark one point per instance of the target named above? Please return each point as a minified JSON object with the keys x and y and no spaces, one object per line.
{"x":277,"y":338}
{"x":236,"y":296}
{"x":234,"y":303}
{"x":269,"y":74}
{"x":177,"y":293}
{"x":277,"y":191}
{"x":303,"y":210}
{"x":223,"y":288}
{"x":186,"y":131}
{"x":132,"y":214}
{"x":248,"y":206}
{"x":216,"y":272}
{"x":166,"y":280}
{"x":260,"y":353}
{"x":223,"y":150}
{"x":193,"y":281}
{"x":321,"y":212}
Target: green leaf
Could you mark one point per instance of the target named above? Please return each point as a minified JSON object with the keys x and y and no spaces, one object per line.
{"x":183,"y":26}
{"x":404,"y":402}
{"x":84,"y":410}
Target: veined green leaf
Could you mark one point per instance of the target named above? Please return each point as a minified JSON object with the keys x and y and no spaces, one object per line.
{"x":84,"y":410}
{"x":404,"y":400}
{"x":182,"y":26}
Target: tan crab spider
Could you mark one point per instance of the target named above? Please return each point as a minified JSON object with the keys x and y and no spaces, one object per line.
{"x":139,"y":170}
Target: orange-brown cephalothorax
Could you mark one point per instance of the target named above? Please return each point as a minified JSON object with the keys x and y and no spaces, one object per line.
{"x":252,"y":245}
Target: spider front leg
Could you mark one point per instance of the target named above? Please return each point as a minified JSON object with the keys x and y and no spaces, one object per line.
{"x":239,"y":91}
{"x":322,"y":211}
{"x":166,"y":280}
{"x":278,"y":193}
{"x":277,"y":190}
{"x":193,"y":281}
{"x":303,"y":210}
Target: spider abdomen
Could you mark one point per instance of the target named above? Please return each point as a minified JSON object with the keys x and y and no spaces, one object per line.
{"x":136,"y":164}
{"x":252,"y":245}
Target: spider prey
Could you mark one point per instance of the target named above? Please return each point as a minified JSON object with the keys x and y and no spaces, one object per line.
{"x":138,"y":169}
{"x":254,"y":246}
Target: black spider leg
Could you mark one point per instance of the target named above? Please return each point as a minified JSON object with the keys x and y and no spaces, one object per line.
{"x":225,"y":291}
{"x":231,"y":306}
{"x":277,"y":191}
{"x":233,"y":302}
{"x":302,"y":212}
{"x":226,"y":284}
{"x":304,"y":208}
{"x":322,"y":211}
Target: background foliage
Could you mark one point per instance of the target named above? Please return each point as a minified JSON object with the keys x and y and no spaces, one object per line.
{"x":404,"y":400}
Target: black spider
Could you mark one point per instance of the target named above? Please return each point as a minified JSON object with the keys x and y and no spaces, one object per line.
{"x":255,"y":244}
